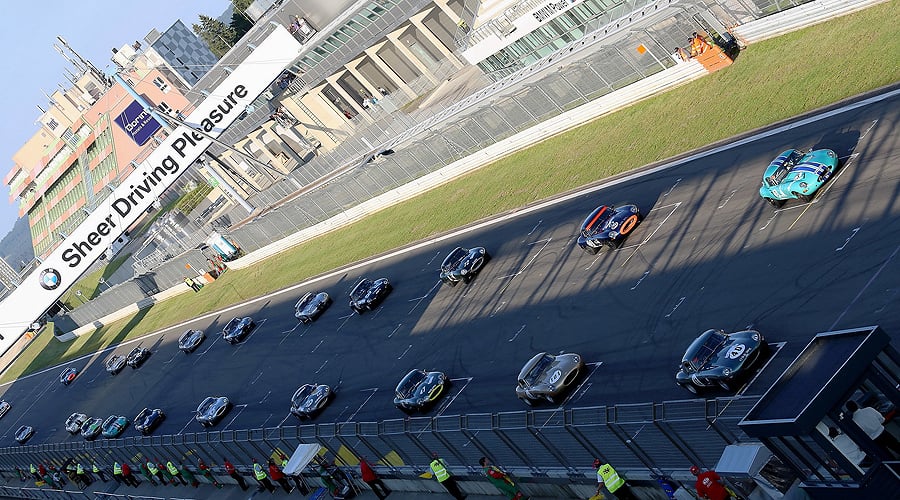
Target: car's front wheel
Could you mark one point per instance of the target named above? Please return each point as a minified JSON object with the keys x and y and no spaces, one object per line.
{"x":528,"y":401}
{"x":775,"y":203}
{"x":591,"y":250}
{"x":690,"y":388}
{"x":724,"y":384}
{"x":805,"y":198}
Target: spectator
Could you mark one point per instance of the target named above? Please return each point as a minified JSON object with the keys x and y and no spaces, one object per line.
{"x":371,"y":478}
{"x":615,"y":484}
{"x":231,"y":471}
{"x":439,"y":468}
{"x":188,"y":475}
{"x":872,"y":423}
{"x":262,"y":478}
{"x":383,"y":91}
{"x":128,"y":477}
{"x":500,"y":479}
{"x":278,"y":476}
{"x":843,"y":443}
{"x":709,"y":485}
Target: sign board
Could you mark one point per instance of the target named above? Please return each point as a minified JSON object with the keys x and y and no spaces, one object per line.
{"x":140,"y":190}
{"x":138,"y":123}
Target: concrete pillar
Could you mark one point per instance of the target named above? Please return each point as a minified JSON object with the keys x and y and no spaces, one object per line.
{"x":372,"y":52}
{"x":416,"y":21}
{"x":394,"y":38}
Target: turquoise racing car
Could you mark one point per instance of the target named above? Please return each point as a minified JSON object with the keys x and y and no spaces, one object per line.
{"x":797,"y":174}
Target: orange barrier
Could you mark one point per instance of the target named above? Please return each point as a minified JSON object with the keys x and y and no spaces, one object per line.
{"x":714,"y":59}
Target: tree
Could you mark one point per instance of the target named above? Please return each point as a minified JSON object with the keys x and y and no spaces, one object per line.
{"x":240,"y":21}
{"x":217,"y":35}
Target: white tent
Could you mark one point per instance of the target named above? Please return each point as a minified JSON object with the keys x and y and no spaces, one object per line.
{"x":301,"y":457}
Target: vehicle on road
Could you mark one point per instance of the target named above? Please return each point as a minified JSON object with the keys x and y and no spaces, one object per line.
{"x":367,"y":294}
{"x":237,"y":329}
{"x":462,"y":264}
{"x":212,"y":410}
{"x":148,"y":420}
{"x":797,"y":174}
{"x":310,"y":399}
{"x":4,"y":407}
{"x":311,"y":306}
{"x":115,"y":363}
{"x":548,"y":377}
{"x":716,"y":358}
{"x":114,"y":426}
{"x":68,"y":375}
{"x":74,"y":422}
{"x":91,"y":428}
{"x":608,"y":226}
{"x":137,"y":356}
{"x":190,"y":340}
{"x":24,"y":434}
{"x":419,"y":390}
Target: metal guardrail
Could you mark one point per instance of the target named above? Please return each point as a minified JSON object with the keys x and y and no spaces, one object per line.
{"x":638,"y":438}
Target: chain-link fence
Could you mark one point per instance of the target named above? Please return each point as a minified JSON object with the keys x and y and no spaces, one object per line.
{"x":640,"y":439}
{"x":605,"y":59}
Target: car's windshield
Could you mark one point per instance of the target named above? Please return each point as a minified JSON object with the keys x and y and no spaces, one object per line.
{"x":301,"y":394}
{"x":206,"y":405}
{"x":454,"y":258}
{"x":596,"y":221}
{"x":532,"y":376}
{"x":708,"y":350}
{"x":359,"y":291}
{"x":302,"y":303}
{"x":409,"y":383}
{"x":232,"y":324}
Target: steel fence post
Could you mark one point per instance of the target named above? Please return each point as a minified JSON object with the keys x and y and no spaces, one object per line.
{"x":620,"y":433}
{"x":545,"y":443}
{"x":495,"y":427}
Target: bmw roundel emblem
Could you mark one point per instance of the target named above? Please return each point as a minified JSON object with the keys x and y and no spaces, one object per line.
{"x":50,"y":279}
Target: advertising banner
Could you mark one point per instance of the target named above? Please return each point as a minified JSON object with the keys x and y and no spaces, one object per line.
{"x":113,"y":216}
{"x":137,"y":123}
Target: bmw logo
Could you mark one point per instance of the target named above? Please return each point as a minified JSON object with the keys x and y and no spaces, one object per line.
{"x":50,"y":279}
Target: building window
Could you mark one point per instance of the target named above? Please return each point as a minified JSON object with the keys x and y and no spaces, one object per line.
{"x":52,"y":124}
{"x":161,"y":85}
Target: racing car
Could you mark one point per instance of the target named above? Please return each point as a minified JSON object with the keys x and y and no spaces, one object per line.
{"x":115,"y":364}
{"x":608,"y":226}
{"x":548,"y":377}
{"x":716,"y":358}
{"x":237,"y":329}
{"x":419,"y":390}
{"x":137,"y":356}
{"x":4,"y":407}
{"x":68,"y":375}
{"x":114,"y":426}
{"x":462,"y":264}
{"x":190,"y":340}
{"x":311,"y":306}
{"x":310,"y":399}
{"x":367,"y":294}
{"x":24,"y":433}
{"x":91,"y":428}
{"x":148,"y":420}
{"x":797,"y":174}
{"x":73,"y":423}
{"x":212,"y":410}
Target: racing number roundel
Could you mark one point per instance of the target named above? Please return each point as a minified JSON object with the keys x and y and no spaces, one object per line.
{"x":628,"y":224}
{"x":555,"y":376}
{"x":736,"y":351}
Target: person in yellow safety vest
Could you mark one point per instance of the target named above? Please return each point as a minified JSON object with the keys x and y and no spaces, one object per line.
{"x":176,"y":474}
{"x":34,"y":472}
{"x":98,"y":471}
{"x":154,"y":470}
{"x":262,"y":478}
{"x":117,"y":472}
{"x":439,"y":468}
{"x":615,"y":484}
{"x":82,"y":475}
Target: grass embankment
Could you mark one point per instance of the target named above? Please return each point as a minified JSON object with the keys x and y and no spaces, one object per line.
{"x":770,"y":81}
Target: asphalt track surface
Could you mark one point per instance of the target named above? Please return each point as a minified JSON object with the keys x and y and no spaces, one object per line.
{"x":709,"y":254}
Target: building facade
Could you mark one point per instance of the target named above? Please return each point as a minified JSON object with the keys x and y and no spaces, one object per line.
{"x":92,"y":134}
